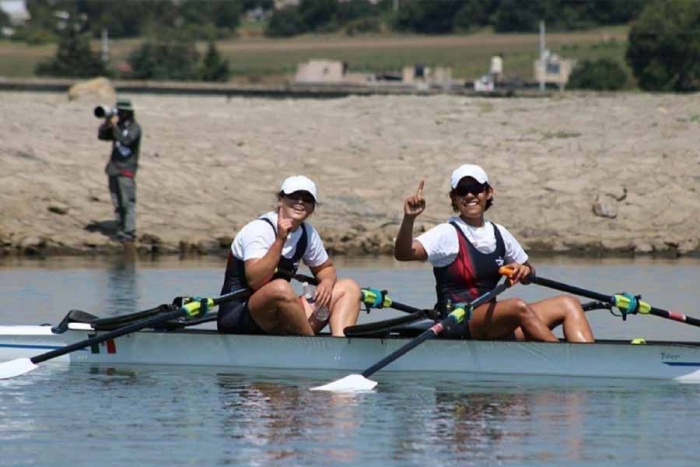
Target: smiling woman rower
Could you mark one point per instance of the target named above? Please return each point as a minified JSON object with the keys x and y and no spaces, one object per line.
{"x":466,"y":253}
{"x":276,"y":242}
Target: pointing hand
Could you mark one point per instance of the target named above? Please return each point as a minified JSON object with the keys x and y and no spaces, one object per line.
{"x":415,"y":204}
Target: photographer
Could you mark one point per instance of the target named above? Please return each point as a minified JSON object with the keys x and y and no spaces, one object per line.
{"x":121,"y":128}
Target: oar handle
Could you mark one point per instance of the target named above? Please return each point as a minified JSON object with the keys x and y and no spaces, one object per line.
{"x":434,"y":330}
{"x":186,"y":310}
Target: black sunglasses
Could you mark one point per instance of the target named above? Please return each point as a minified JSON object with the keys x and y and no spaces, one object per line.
{"x":474,"y":188}
{"x":302,"y":196}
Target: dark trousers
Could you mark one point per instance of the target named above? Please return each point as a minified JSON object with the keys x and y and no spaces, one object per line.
{"x":123,"y":192}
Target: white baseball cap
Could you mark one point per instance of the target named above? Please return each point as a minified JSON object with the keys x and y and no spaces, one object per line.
{"x":468,"y":170}
{"x":299,"y":183}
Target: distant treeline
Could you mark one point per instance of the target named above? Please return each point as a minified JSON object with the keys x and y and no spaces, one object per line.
{"x":198,"y":19}
{"x":450,"y":16}
{"x":215,"y":19}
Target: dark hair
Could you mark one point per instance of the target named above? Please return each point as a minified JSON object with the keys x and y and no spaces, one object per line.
{"x":451,"y":195}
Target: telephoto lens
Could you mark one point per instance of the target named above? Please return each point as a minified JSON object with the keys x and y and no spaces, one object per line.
{"x":103,"y":111}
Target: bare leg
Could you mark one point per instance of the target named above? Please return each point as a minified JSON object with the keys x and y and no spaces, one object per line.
{"x":497,"y":320}
{"x":277,"y":310}
{"x":566,"y":310}
{"x":345,"y":306}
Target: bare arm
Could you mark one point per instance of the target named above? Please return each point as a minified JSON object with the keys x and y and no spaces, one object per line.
{"x":259,"y":271}
{"x":405,"y":247}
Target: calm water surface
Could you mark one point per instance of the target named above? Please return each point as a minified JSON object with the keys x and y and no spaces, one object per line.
{"x":139,"y":415}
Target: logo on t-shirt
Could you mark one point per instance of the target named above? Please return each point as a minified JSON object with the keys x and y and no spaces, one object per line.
{"x":500,"y":261}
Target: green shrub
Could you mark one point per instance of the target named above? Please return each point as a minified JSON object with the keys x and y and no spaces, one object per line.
{"x":73,"y":59}
{"x":598,"y":75}
{"x":363,"y":25}
{"x":213,"y":67}
{"x":165,"y":60}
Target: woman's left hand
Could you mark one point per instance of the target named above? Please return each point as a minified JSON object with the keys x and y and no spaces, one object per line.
{"x":324,"y":292}
{"x":520,"y":272}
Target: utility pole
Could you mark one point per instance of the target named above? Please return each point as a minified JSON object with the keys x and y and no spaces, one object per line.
{"x":543,"y":65}
{"x":396,"y":6}
{"x":105,"y":46}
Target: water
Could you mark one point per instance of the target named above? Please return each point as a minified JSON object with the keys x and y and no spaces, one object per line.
{"x":142,"y":415}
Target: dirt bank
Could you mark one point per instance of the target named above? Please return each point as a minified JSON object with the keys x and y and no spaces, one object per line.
{"x":577,"y":173}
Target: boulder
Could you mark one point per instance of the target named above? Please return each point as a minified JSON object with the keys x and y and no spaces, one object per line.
{"x":97,"y":89}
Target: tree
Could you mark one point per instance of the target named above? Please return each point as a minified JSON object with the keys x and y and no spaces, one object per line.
{"x":165,"y":59}
{"x":129,"y":18}
{"x":428,"y":16}
{"x":474,"y":14}
{"x":598,"y":75}
{"x":317,"y":14}
{"x":285,"y":22}
{"x":4,"y":19}
{"x":74,"y":58}
{"x":518,"y":16}
{"x":213,"y":67}
{"x":664,"y":46}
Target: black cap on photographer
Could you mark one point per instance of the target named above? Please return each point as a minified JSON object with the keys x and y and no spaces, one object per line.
{"x":124,"y":105}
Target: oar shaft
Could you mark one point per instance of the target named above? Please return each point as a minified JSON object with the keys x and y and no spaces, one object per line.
{"x":107,"y":336}
{"x":424,"y":336}
{"x":432,"y":332}
{"x":569,"y":288}
{"x":660,"y":312}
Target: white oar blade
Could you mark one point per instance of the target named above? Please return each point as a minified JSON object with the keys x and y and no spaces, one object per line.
{"x":16,"y":367}
{"x":351,"y":383}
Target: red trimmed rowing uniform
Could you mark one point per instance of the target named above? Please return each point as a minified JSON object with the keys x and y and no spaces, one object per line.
{"x":470,"y":275}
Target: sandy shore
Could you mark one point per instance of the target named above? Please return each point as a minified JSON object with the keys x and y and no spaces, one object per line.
{"x":576,"y":173}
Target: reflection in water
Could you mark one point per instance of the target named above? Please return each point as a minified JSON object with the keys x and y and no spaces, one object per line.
{"x":122,"y":286}
{"x":274,"y":419}
{"x":210,"y":416}
{"x":479,"y":425}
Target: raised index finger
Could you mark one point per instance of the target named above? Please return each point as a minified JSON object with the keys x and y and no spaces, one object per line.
{"x":419,"y":193}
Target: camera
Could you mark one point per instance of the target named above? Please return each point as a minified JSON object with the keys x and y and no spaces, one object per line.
{"x":103,"y":111}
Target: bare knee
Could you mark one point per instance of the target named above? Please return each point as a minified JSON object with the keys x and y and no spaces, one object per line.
{"x":523,"y":310}
{"x":347,"y":287}
{"x":571,"y":305}
{"x":280,"y":290}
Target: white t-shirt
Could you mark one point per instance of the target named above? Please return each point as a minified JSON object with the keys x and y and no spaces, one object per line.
{"x":442,"y":244}
{"x":256,"y":237}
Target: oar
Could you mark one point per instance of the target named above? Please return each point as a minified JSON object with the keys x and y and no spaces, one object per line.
{"x":359,"y":382}
{"x":20,"y":366}
{"x":627,"y":304}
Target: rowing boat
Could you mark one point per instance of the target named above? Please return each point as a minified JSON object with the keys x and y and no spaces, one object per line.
{"x":452,"y":359}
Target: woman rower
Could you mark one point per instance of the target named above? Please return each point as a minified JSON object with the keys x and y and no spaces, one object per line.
{"x":466,"y":253}
{"x":263,"y":258}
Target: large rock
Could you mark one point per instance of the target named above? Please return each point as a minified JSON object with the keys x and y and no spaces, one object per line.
{"x":98,"y":89}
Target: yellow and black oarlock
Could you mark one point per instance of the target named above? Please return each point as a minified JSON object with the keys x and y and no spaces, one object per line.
{"x":194,"y":308}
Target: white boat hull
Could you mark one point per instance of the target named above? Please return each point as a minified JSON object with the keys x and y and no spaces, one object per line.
{"x":607,"y":359}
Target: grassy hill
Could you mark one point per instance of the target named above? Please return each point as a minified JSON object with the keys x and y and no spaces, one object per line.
{"x":258,"y":58}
